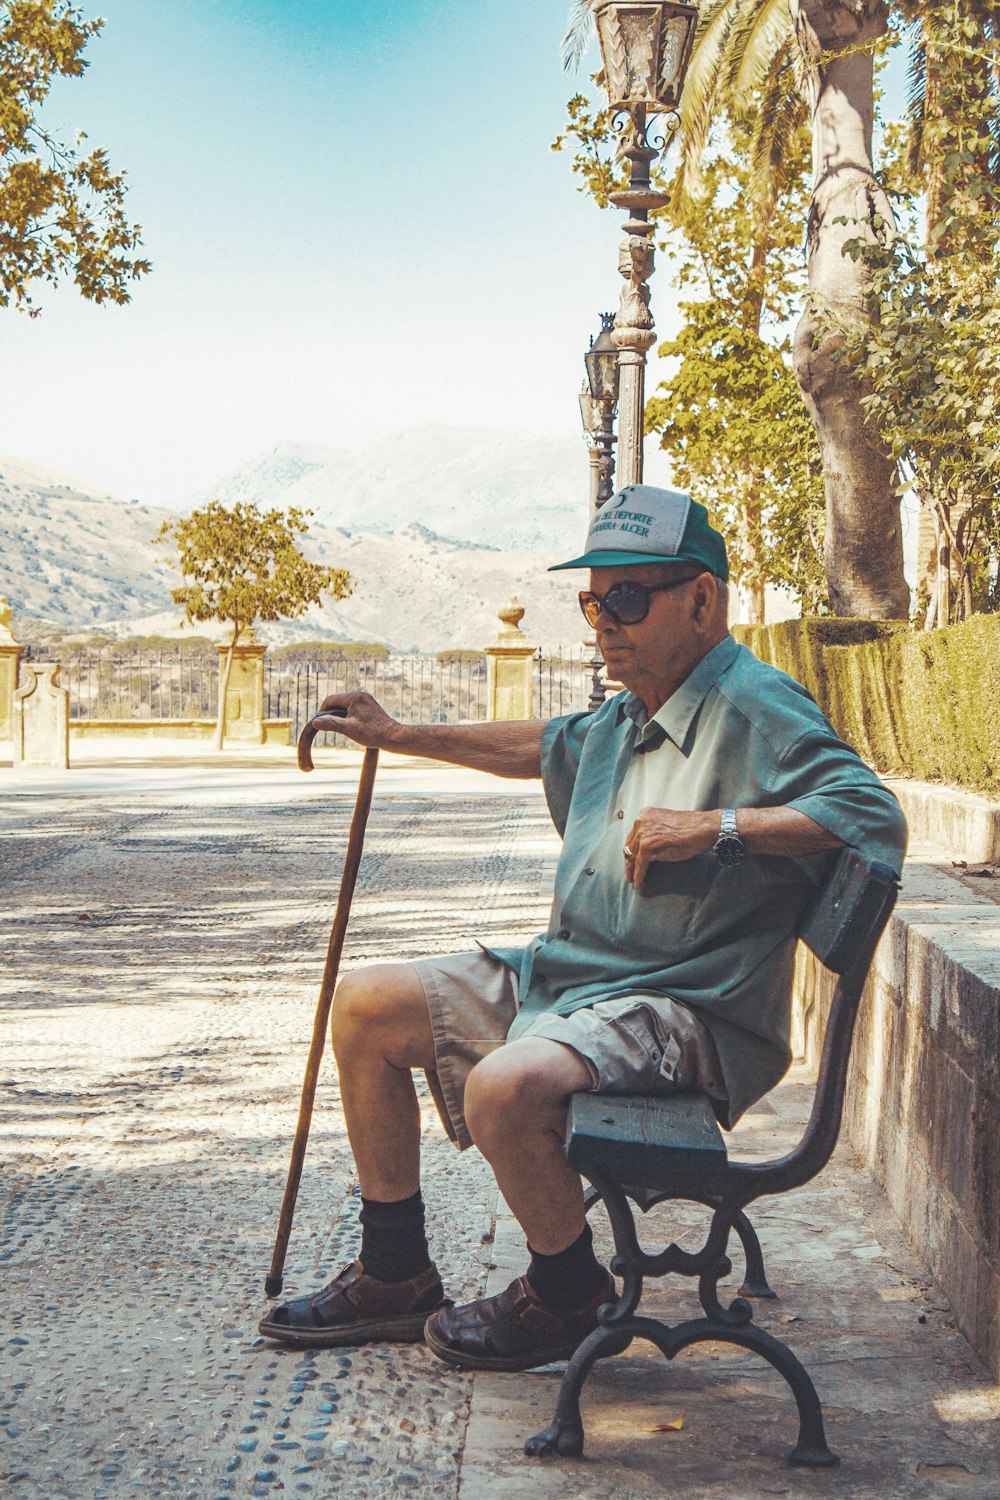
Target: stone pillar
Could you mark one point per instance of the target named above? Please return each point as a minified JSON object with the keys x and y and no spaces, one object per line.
{"x":41,"y":717}
{"x":10,"y":657}
{"x":245,"y":700}
{"x":509,"y":662}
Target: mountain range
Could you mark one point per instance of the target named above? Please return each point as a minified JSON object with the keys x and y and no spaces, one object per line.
{"x":436,"y":526}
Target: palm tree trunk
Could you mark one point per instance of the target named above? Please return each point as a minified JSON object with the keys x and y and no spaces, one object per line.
{"x":864,"y":542}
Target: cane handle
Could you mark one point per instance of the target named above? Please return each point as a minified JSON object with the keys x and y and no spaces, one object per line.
{"x":309,"y":733}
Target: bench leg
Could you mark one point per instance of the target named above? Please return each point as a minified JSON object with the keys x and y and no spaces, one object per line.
{"x":755,"y":1283}
{"x":564,"y":1435}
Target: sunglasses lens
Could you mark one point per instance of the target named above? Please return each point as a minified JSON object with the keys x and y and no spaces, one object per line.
{"x":591,"y":608}
{"x":629,"y":602}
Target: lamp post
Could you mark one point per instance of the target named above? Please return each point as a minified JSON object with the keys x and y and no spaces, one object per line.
{"x":598,"y":399}
{"x":645,"y":47}
{"x":597,"y":409}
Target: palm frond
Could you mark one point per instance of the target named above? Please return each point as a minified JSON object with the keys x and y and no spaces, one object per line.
{"x":700,"y":101}
{"x":766,"y":24}
{"x":579,"y":33}
{"x":782,"y":111}
{"x":916,"y":103}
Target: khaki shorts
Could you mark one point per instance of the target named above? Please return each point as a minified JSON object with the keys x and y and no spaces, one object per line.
{"x":633,"y":1044}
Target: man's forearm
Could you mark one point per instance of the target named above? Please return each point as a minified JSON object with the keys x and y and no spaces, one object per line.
{"x":506,"y":749}
{"x":662,"y":834}
{"x":782,"y":830}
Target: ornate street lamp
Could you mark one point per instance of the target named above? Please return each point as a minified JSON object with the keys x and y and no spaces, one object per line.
{"x":598,"y":399}
{"x":645,"y":46}
{"x":597,"y":409}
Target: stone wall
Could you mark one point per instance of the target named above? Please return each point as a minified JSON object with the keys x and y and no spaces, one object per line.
{"x":923,"y":1102}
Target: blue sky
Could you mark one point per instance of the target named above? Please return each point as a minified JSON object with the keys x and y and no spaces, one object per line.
{"x":356,"y":225}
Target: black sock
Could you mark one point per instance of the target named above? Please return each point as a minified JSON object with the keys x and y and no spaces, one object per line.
{"x":393,"y":1243}
{"x":569,"y":1279}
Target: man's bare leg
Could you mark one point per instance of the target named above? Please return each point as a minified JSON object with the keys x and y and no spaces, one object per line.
{"x":515,"y":1107}
{"x":381,"y":1029}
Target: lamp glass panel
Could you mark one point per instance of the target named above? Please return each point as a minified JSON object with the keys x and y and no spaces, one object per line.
{"x":638,"y":32}
{"x":675,"y":34}
{"x":602,"y":370}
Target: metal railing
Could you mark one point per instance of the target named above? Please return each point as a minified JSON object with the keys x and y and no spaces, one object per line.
{"x":157,"y":685}
{"x":110,"y":684}
{"x":413,"y":689}
{"x":562,"y":685}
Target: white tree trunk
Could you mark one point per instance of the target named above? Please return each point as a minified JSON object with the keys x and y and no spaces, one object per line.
{"x":227,"y":672}
{"x":864,"y":542}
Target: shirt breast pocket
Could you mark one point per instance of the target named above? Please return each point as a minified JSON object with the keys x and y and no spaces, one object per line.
{"x":669,"y":903}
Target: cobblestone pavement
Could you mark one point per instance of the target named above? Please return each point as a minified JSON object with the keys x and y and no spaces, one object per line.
{"x":161,"y":963}
{"x":161,"y":938}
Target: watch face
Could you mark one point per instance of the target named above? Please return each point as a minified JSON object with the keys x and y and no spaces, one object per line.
{"x":729,"y":850}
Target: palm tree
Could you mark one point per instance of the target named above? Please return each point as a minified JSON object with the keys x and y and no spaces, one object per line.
{"x":800,"y":58}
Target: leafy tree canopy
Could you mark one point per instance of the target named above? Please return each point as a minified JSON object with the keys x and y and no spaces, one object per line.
{"x":244,"y":565}
{"x":741,"y":441}
{"x":62,"y":206}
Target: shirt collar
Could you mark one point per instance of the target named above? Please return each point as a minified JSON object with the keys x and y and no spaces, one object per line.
{"x":675,"y":717}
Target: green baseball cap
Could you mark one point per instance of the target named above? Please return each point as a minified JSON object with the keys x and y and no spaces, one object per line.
{"x":641,"y":524}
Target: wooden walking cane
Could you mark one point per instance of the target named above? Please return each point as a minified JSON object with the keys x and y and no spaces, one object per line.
{"x":355,"y":844}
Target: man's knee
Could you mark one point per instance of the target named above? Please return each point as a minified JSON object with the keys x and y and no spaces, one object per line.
{"x":381,"y":1010}
{"x":363,"y":1003}
{"x":526,"y":1083}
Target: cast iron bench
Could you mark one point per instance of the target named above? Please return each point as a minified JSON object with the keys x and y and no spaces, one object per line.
{"x":658,"y":1148}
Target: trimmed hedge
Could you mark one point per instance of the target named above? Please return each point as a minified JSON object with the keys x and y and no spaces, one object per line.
{"x":921,"y":704}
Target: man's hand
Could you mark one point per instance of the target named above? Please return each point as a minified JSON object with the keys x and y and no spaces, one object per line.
{"x":364,"y":719}
{"x":660,"y":833}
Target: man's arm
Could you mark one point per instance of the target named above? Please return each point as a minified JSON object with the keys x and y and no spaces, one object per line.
{"x":659,"y":833}
{"x":506,"y":748}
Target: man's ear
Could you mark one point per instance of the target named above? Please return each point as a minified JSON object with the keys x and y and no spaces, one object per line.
{"x":703,"y":598}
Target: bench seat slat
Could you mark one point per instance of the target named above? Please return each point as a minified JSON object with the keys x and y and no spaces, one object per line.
{"x":655,"y":1142}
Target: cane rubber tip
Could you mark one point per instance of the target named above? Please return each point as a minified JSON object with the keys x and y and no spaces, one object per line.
{"x":273,"y":1285}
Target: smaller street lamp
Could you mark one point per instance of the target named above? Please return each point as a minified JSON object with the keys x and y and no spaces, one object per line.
{"x":598,"y":399}
{"x":645,"y":47}
{"x":597,"y":408}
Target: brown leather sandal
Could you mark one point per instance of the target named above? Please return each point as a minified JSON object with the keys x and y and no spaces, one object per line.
{"x":358,"y":1309}
{"x":512,"y":1331}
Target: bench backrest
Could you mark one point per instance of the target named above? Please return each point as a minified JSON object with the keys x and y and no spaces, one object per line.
{"x":849,"y":911}
{"x":842,"y":927}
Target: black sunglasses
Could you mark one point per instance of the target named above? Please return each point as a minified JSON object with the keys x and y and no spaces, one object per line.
{"x":626,"y":603}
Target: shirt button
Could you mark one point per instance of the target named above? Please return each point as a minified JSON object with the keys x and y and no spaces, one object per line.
{"x":564,"y":932}
{"x":589,"y":870}
{"x":620,"y":814}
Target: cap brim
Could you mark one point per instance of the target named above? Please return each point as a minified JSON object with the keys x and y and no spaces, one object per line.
{"x":620,"y":560}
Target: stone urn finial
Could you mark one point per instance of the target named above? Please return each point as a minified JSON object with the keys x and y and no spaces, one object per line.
{"x":510,"y":617}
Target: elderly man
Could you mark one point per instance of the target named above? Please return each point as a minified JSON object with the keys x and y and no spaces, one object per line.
{"x":697,"y":809}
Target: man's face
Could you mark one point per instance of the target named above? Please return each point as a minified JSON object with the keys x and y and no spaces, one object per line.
{"x":633,"y":652}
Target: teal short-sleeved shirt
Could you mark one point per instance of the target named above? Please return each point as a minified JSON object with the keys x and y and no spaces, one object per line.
{"x":737,"y":733}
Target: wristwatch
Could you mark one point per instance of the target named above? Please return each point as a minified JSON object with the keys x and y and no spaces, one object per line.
{"x":729,"y":848}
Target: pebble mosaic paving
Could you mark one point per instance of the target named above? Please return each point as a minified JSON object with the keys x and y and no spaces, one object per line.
{"x":160,"y":969}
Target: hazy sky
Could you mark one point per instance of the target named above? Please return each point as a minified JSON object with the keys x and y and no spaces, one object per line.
{"x":356,"y":225}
